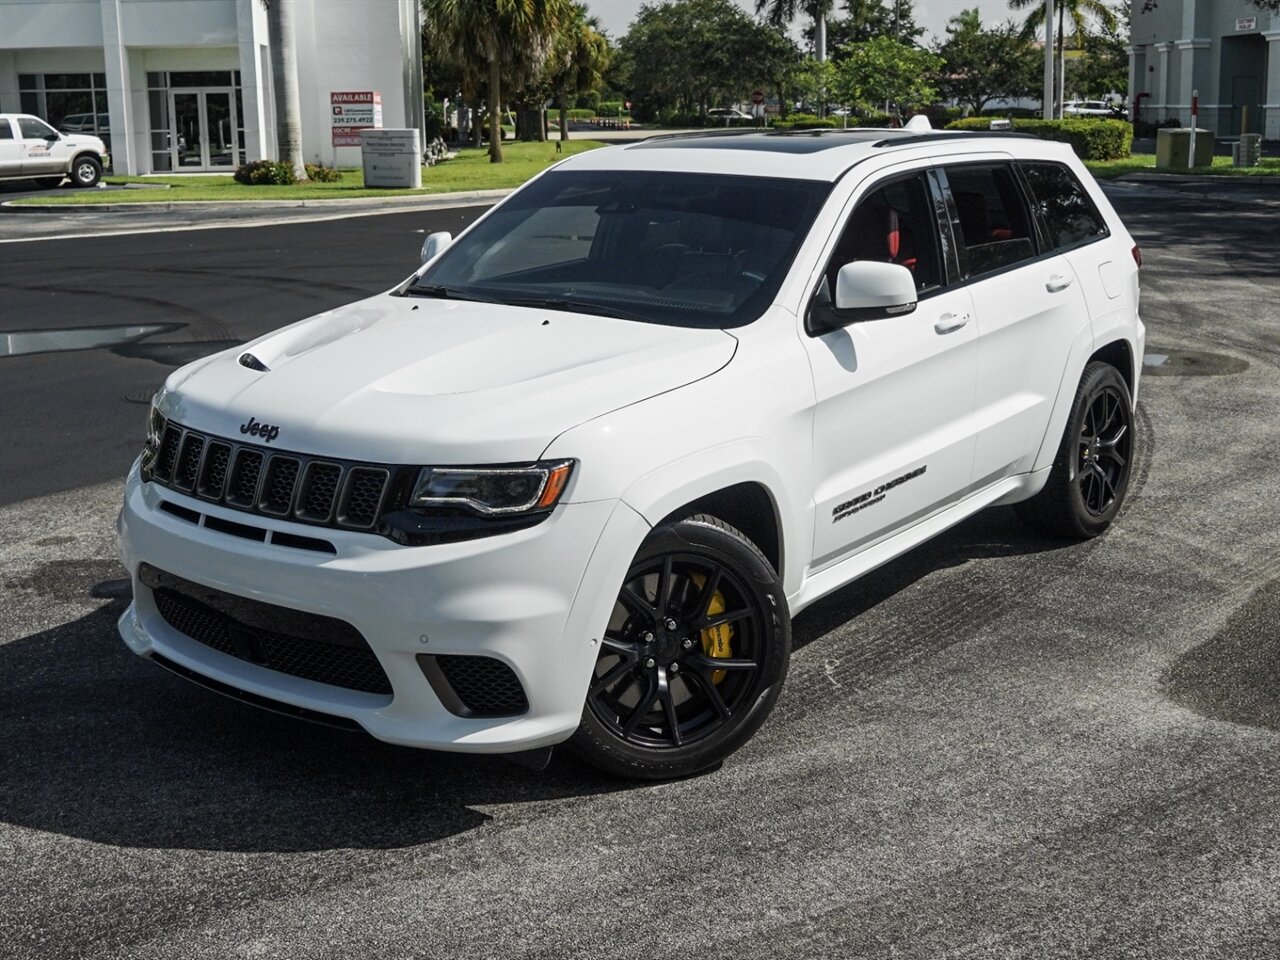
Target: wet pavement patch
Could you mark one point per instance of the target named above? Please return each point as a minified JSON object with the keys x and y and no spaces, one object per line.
{"x":1236,"y":675}
{"x":1190,"y":363}
{"x":77,"y":338}
{"x":173,"y":354}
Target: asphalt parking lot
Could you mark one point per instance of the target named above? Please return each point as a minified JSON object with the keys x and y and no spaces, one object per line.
{"x":993,"y":747}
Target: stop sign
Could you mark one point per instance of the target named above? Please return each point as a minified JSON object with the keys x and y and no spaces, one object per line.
{"x":757,"y":97}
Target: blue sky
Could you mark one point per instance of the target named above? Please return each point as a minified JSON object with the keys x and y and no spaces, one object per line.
{"x":615,"y":15}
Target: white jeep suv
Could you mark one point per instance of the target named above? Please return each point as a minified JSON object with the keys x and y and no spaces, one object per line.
{"x":571,"y":480}
{"x":30,"y":149}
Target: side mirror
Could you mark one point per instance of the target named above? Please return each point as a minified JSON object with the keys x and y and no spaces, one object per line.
{"x":52,"y":137}
{"x":435,"y":244}
{"x":867,"y":290}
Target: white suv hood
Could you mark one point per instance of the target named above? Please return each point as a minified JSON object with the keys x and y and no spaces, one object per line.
{"x":415,"y":380}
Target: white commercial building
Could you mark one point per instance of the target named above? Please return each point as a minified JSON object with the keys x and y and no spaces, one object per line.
{"x":1227,"y":50}
{"x":185,"y":85}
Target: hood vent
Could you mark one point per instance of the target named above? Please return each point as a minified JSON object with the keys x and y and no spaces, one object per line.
{"x":253,"y":363}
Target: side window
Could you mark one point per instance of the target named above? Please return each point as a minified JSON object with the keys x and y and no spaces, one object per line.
{"x":893,"y":224}
{"x":6,"y":132}
{"x":1068,"y":213}
{"x":33,"y":129}
{"x":995,"y":231}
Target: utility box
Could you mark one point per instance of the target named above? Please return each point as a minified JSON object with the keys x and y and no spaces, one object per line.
{"x":392,"y":158}
{"x":1247,"y":152}
{"x":1173,"y":148}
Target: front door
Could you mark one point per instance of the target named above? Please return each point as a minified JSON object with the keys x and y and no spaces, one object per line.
{"x":203,"y":126}
{"x":41,"y":149}
{"x":893,"y":431}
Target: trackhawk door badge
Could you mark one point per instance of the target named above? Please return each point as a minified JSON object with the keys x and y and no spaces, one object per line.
{"x":872,"y":497}
{"x":255,"y":429}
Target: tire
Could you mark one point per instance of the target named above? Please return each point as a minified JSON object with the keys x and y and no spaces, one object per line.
{"x":678,"y":686}
{"x":49,"y":183}
{"x":1090,"y":474}
{"x":86,"y":171}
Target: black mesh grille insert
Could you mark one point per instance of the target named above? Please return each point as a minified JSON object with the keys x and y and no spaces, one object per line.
{"x":319,"y":490}
{"x":485,"y":686}
{"x":243,"y":491}
{"x":184,"y":475}
{"x":277,"y":483}
{"x":304,"y":645}
{"x":362,"y":497}
{"x":277,"y":491}
{"x":214,"y":475}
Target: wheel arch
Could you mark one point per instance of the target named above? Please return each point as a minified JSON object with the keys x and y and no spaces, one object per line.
{"x":1118,"y":353}
{"x":749,"y":507}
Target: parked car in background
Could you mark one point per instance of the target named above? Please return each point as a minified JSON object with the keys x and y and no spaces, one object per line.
{"x":30,"y":149}
{"x":85,"y":123}
{"x":1090,"y":108}
{"x":728,"y":114}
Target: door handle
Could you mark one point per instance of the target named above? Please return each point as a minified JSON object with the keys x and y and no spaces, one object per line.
{"x":951,"y":322}
{"x":1057,"y":283}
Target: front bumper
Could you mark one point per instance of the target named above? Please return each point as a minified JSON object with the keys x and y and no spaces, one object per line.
{"x":537,"y":599}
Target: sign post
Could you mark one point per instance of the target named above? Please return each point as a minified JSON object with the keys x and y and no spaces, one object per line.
{"x":1195,"y":111}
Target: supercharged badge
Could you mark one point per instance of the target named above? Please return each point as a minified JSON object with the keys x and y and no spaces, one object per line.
{"x":872,"y":497}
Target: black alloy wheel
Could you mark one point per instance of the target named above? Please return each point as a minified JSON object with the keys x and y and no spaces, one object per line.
{"x":693,"y":657}
{"x":1105,"y":447}
{"x":1091,"y":471}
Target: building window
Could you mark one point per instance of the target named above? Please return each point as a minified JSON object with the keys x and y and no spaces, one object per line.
{"x":162,"y":132}
{"x":70,"y":102}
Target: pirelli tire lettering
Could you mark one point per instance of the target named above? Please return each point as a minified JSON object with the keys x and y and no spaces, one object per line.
{"x":872,"y":497}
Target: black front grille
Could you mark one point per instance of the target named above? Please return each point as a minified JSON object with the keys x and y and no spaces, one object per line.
{"x":304,"y":645}
{"x":282,"y":484}
{"x":475,"y":686}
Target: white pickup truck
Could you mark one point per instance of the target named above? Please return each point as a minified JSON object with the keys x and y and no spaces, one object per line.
{"x":30,"y":149}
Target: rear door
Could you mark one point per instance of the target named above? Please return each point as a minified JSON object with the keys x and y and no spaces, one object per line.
{"x":893,"y":434}
{"x":1029,"y":308}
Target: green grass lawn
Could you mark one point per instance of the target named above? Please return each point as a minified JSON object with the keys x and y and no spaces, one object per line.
{"x":470,"y":170}
{"x":1146,"y":163}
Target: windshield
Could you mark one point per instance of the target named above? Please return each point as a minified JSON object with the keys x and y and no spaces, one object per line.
{"x":684,"y":249}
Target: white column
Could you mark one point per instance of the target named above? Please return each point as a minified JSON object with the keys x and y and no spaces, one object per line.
{"x":1133,"y":79}
{"x":254,"y":88}
{"x":1192,"y":75}
{"x":127,"y":156}
{"x":1161,"y":93}
{"x":1271,"y":128}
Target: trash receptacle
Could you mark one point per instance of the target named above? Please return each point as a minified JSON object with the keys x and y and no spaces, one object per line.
{"x":1173,"y":148}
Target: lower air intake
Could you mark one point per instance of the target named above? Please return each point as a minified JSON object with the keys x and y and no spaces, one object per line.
{"x":474,"y":686}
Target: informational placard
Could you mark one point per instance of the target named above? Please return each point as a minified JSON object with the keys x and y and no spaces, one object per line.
{"x":351,"y":111}
{"x":392,"y":158}
{"x":1246,"y":23}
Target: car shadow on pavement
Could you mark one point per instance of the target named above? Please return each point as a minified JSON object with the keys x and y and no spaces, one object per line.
{"x":98,"y":744}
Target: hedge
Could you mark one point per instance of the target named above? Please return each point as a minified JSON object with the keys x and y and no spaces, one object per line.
{"x":579,"y":114}
{"x":807,"y":121}
{"x":1091,"y":139}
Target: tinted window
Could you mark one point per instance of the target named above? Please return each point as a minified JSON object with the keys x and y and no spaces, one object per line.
{"x":33,"y":128}
{"x":1068,"y":213}
{"x":6,"y":132}
{"x":892,"y":224}
{"x":676,"y":248}
{"x":995,"y":231}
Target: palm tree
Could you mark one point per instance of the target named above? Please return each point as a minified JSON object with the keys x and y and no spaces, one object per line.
{"x":580,"y":59}
{"x":780,"y":13}
{"x":511,"y":37}
{"x":1080,"y":11}
{"x":284,"y":78}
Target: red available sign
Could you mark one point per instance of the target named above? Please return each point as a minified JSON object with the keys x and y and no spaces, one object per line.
{"x":351,"y":111}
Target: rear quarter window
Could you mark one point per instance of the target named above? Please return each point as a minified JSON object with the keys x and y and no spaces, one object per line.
{"x":1063,"y":205}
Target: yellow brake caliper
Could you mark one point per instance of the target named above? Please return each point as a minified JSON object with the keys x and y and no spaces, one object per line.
{"x":716,"y":641}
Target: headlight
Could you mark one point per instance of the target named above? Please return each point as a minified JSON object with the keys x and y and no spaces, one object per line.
{"x":155,"y":430}
{"x":493,"y":491}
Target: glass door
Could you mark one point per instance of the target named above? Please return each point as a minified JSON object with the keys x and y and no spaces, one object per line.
{"x":202,"y":132}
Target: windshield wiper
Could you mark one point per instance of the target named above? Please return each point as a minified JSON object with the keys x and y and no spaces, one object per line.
{"x":442,"y":292}
{"x":583,"y":306}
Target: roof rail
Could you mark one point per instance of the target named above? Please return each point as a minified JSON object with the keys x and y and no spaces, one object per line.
{"x":914,"y":138}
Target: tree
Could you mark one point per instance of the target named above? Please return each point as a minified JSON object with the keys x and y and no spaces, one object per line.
{"x":510,"y":37}
{"x":882,"y":70}
{"x":781,"y":13}
{"x":580,"y":58}
{"x":1104,"y":68}
{"x":284,"y":79}
{"x":691,"y":54}
{"x":980,"y":65}
{"x":865,"y":19}
{"x":1080,"y":11}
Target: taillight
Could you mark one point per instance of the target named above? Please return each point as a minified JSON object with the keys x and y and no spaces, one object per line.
{"x":1137,"y":256}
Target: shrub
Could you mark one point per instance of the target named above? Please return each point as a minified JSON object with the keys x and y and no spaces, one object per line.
{"x":582,"y":114}
{"x":322,"y":174}
{"x":265,"y":172}
{"x":610,"y":108}
{"x":1100,"y":139}
{"x":807,"y":121}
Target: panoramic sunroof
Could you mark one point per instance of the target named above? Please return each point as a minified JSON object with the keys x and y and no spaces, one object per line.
{"x":801,"y":142}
